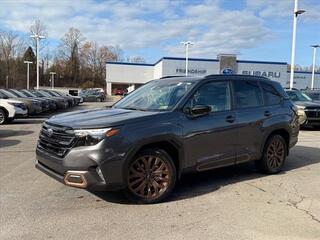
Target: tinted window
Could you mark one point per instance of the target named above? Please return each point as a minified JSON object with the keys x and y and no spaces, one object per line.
{"x":214,"y":94}
{"x":271,"y":96}
{"x":247,"y":94}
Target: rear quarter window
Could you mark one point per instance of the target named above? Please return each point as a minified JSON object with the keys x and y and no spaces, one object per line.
{"x":270,"y":94}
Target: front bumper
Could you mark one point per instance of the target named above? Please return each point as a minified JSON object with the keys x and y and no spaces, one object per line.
{"x":89,"y":162}
{"x":87,"y":179}
{"x":312,"y":122}
{"x":20,"y":113}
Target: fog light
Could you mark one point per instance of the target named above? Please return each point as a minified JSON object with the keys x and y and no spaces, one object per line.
{"x":76,"y":179}
{"x":98,"y":170}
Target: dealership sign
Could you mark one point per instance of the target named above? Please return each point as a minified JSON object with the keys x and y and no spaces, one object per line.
{"x":262,"y":73}
{"x":192,"y":71}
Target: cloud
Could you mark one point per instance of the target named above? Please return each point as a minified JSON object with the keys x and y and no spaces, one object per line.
{"x":146,"y":23}
{"x":276,"y":9}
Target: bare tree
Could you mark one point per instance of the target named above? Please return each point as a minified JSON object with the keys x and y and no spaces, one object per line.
{"x":38,"y":28}
{"x":71,"y":42}
{"x":11,"y":48}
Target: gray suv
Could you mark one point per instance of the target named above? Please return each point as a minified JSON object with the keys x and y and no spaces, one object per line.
{"x":169,"y":127}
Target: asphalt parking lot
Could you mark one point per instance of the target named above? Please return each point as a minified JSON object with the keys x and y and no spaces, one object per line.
{"x":230,"y":203}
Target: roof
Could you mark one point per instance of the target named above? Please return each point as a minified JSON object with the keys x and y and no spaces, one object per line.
{"x":194,"y":59}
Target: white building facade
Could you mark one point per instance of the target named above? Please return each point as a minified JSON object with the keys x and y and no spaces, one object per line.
{"x":132,"y":75}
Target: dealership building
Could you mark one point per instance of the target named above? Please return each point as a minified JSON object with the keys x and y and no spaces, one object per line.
{"x":132,"y":75}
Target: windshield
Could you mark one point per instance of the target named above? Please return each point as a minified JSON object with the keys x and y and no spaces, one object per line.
{"x":160,"y":95}
{"x":8,"y":94}
{"x":37,"y":93}
{"x":29,"y":94}
{"x":19,"y":94}
{"x":298,"y":96}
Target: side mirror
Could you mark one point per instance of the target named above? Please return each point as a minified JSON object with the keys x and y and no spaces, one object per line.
{"x":198,"y":110}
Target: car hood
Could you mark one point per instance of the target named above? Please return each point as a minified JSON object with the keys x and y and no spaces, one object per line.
{"x":99,"y":118}
{"x":307,"y":103}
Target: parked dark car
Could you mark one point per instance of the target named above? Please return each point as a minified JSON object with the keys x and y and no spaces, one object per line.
{"x":70,"y":100}
{"x":60,"y":102}
{"x":45,"y":104}
{"x":29,"y":94}
{"x":306,"y":106}
{"x":148,"y":139}
{"x":92,"y":96}
{"x":313,"y":94}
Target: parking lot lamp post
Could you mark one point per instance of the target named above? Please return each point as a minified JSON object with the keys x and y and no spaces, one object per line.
{"x":28,"y":63}
{"x":52,"y":79}
{"x":296,"y":13}
{"x":186,"y":44}
{"x":37,"y":37}
{"x":314,"y":63}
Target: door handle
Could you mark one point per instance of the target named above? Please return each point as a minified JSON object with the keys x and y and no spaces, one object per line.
{"x":267,"y":113}
{"x":230,"y":119}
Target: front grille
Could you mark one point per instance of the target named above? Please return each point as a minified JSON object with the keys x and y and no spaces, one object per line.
{"x":312,"y":112}
{"x":55,"y":140}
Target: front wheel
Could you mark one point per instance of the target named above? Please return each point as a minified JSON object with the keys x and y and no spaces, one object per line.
{"x":151,"y":176}
{"x":3,"y":117}
{"x":274,"y":155}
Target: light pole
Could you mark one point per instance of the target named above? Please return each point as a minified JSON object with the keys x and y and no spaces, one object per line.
{"x":296,"y":13}
{"x":37,"y":37}
{"x":28,"y":63}
{"x":52,"y":79}
{"x":186,"y":44}
{"x":314,"y":63}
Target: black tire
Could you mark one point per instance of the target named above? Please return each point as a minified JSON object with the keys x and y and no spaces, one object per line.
{"x":10,"y":120}
{"x":3,"y":117}
{"x":274,"y":155}
{"x":152,"y":187}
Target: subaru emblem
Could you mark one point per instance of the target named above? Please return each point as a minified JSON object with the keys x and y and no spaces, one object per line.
{"x":50,"y":132}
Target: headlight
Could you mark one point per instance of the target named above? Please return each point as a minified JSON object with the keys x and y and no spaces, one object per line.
{"x":15,"y":104}
{"x":89,"y":137}
{"x":301,"y":113}
{"x":300,"y":107}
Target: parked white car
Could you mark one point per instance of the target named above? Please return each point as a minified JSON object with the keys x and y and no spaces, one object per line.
{"x":11,"y":109}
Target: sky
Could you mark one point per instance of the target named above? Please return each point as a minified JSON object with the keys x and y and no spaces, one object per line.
{"x":252,"y":29}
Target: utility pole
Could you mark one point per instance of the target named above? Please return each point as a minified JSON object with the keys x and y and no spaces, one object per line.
{"x":28,"y":63}
{"x":37,"y":37}
{"x":294,"y":33}
{"x":186,"y":44}
{"x":52,"y":79}
{"x":314,"y":64}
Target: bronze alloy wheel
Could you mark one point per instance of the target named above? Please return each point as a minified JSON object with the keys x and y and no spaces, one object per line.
{"x":149,"y":177}
{"x":275,"y":154}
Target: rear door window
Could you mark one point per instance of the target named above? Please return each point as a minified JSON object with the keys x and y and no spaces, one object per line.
{"x":213,"y":94}
{"x":247,"y":94}
{"x":271,"y":96}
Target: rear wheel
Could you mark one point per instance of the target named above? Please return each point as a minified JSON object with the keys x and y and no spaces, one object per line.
{"x":151,"y":176}
{"x":3,"y":116}
{"x":274,"y":155}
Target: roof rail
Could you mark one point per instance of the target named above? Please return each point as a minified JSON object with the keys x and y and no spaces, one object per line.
{"x":171,"y":77}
